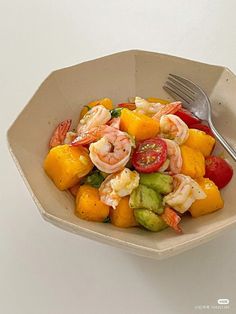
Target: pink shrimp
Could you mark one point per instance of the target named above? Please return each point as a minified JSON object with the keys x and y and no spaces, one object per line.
{"x":98,"y":115}
{"x":172,"y":219}
{"x":112,"y":152}
{"x":174,"y":156}
{"x":92,"y":135}
{"x":118,"y":185}
{"x":59,"y":133}
{"x":186,"y":191}
{"x":167,"y":109}
{"x":115,"y":123}
{"x":172,"y":127}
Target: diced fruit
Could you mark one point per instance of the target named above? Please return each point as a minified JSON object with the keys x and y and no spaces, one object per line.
{"x":65,"y":165}
{"x":159,"y":182}
{"x":211,"y":203}
{"x":158,"y":100}
{"x":89,"y":206}
{"x":138,"y":125}
{"x":149,"y":155}
{"x":193,"y":162}
{"x":149,"y":220}
{"x":201,"y":141}
{"x":144,"y":197}
{"x":218,"y":170}
{"x":204,"y":128}
{"x":105,"y":102}
{"x":187,"y":116}
{"x":123,"y":215}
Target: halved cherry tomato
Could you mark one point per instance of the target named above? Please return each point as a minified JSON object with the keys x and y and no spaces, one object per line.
{"x":149,"y":155}
{"x":188,"y":117}
{"x":127,"y":105}
{"x":203,"y":127}
{"x":218,"y":170}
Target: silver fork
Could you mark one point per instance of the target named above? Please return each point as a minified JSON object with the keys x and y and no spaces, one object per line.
{"x":195,"y":100}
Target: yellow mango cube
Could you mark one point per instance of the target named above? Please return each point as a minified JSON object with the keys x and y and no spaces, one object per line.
{"x":211,"y":203}
{"x":193,"y":162}
{"x":201,"y":141}
{"x":138,"y":125}
{"x":65,"y":165}
{"x":89,"y":206}
{"x":123,"y":215}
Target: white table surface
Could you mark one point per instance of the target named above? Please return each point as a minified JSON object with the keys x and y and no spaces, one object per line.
{"x":44,"y":270}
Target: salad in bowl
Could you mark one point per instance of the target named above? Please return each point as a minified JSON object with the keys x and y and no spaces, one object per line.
{"x":146,"y":163}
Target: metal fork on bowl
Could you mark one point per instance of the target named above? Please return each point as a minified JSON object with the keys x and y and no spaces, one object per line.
{"x":195,"y":100}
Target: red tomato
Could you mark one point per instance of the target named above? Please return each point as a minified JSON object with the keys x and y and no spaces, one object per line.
{"x":203,"y":128}
{"x":149,"y":155}
{"x":127,"y":105}
{"x":187,"y":116}
{"x":218,"y":170}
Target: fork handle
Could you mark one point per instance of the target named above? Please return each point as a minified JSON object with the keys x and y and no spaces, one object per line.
{"x":223,"y":142}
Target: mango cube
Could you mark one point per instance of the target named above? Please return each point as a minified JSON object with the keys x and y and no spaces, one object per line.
{"x":138,"y":125}
{"x":211,"y":203}
{"x":201,"y":141}
{"x":65,"y":165}
{"x":193,"y":162}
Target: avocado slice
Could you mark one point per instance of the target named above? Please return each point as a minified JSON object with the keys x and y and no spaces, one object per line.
{"x":162,"y":183}
{"x":149,"y":220}
{"x":144,"y":197}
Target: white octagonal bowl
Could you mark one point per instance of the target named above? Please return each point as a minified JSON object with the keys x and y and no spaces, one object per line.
{"x":119,"y":76}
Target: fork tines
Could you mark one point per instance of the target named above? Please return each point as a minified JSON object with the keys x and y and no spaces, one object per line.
{"x":180,"y":89}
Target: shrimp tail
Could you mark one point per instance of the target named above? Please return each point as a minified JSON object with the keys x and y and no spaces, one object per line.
{"x":172,"y":219}
{"x":115,"y":123}
{"x":83,"y":139}
{"x":59,"y":133}
{"x":92,"y":135}
{"x":167,"y":109}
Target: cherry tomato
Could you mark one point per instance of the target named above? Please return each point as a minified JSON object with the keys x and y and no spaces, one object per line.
{"x":149,"y":155}
{"x":187,"y":116}
{"x":203,"y":128}
{"x":218,"y":170}
{"x":127,"y":105}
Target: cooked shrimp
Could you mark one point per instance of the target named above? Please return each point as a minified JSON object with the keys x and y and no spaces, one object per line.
{"x":59,"y":133}
{"x":172,"y":219}
{"x":155,"y":110}
{"x":173,"y":107}
{"x":165,"y":166}
{"x":70,"y":136}
{"x":118,"y":185}
{"x":186,"y":191}
{"x":112,"y":152}
{"x":145,"y":107}
{"x":96,"y":116}
{"x":174,"y":155}
{"x":115,"y":123}
{"x":92,"y":135}
{"x":172,"y":127}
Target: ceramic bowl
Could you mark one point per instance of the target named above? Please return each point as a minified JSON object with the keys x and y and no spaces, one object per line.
{"x":119,"y":76}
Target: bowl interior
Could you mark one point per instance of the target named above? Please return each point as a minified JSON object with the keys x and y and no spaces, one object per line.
{"x":118,"y":76}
